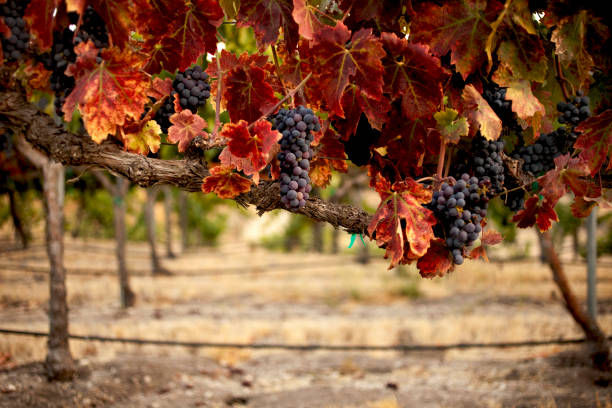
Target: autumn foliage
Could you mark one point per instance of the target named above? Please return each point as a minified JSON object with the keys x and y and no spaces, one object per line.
{"x":415,"y":69}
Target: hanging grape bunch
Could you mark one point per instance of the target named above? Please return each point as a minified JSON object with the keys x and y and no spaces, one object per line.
{"x":193,"y":90}
{"x":460,"y":208}
{"x":296,"y":126}
{"x":14,"y":46}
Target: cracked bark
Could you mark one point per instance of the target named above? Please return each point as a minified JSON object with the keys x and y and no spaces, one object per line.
{"x":79,"y":150}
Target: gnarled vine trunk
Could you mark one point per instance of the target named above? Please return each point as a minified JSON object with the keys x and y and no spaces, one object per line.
{"x":59,"y":362}
{"x":598,"y":343}
{"x":168,"y":220}
{"x":149,"y":214}
{"x":126,"y":294}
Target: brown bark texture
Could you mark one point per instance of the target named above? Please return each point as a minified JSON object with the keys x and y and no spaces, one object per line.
{"x":79,"y":150}
{"x":168,"y":220}
{"x":598,"y":343}
{"x":149,"y":215}
{"x":118,"y":190}
{"x":127,"y":296}
{"x":59,"y":362}
{"x":183,"y":219}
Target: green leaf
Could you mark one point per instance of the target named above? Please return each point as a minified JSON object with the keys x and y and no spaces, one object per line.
{"x":451,"y":125}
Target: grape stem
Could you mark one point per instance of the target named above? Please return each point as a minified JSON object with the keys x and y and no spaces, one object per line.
{"x":289,"y":95}
{"x":278,"y":73}
{"x":560,"y":78}
{"x":441,"y":159}
{"x":218,"y":98}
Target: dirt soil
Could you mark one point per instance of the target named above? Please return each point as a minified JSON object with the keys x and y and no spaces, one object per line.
{"x":315,"y":380}
{"x":268,"y":297}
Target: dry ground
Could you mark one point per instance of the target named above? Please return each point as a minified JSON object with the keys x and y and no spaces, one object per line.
{"x":240,"y":293}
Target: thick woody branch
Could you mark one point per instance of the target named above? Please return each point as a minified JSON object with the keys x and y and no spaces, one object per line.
{"x":78,"y":150}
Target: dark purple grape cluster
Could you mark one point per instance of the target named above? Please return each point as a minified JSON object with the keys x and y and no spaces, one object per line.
{"x":12,"y":12}
{"x":192,"y":87}
{"x":297,"y":127}
{"x":461,"y":207}
{"x":358,"y":146}
{"x":487,"y":162}
{"x":514,"y":200}
{"x":575,"y":110}
{"x":496,"y":97}
{"x":62,"y":52}
{"x":92,"y":29}
{"x":193,"y":90}
{"x":539,"y":157}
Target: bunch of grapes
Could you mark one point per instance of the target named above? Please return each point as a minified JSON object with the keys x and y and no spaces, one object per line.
{"x":485,"y":162}
{"x":461,"y":208}
{"x":575,"y":110}
{"x":193,"y":90}
{"x":496,"y":97}
{"x":92,"y":29}
{"x":296,"y":126}
{"x":358,"y":146}
{"x":62,"y":52}
{"x":572,"y":113}
{"x":12,"y":12}
{"x":539,"y":157}
{"x":514,"y":200}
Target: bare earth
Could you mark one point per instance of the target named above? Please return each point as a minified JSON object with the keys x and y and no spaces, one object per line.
{"x":241,"y":294}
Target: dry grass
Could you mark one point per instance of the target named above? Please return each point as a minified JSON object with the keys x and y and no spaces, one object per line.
{"x":322,"y":301}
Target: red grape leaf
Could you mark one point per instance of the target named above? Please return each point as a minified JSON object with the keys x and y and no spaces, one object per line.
{"x":384,"y":13}
{"x":108,"y":93}
{"x":34,"y":77}
{"x":320,"y":172}
{"x":436,"y":261}
{"x":254,"y":144}
{"x":479,"y":252}
{"x":569,"y":172}
{"x":337,"y":61}
{"x":354,"y":103}
{"x":402,"y":202}
{"x":148,"y":138}
{"x":306,"y":16}
{"x":525,"y":57}
{"x":536,"y":212}
{"x":595,"y":141}
{"x":407,"y":143}
{"x":117,"y":15}
{"x":229,"y":61}
{"x":459,"y":26}
{"x":242,"y":164}
{"x":225,"y":183}
{"x":266,"y":17}
{"x":414,"y":74}
{"x":330,"y":156}
{"x":185,"y":126}
{"x":248,"y":95}
{"x":524,"y":103}
{"x":581,"y":208}
{"x":160,"y":88}
{"x":491,"y":237}
{"x":571,"y":40}
{"x":191,"y":31}
{"x":451,"y":126}
{"x":333,"y":151}
{"x":42,"y":20}
{"x":480,"y":115}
